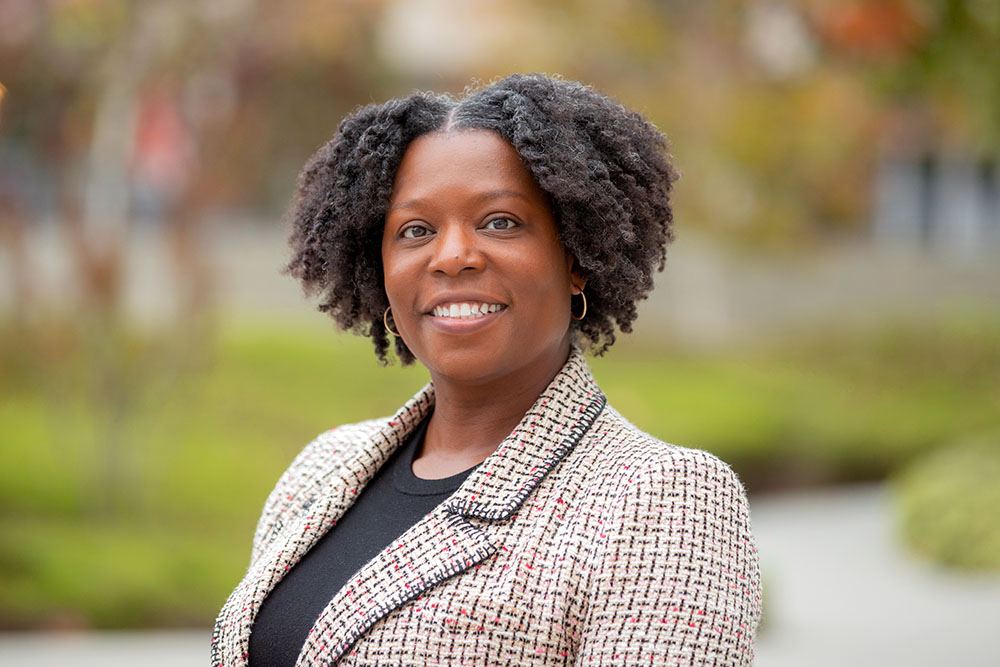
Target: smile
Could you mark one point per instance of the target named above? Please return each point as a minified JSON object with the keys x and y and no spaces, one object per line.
{"x":466,"y":311}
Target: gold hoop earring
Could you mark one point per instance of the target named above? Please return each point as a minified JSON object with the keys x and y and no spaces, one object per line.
{"x":385,"y":321}
{"x":584,"y":313}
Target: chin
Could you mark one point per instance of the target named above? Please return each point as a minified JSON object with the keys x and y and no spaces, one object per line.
{"x":478,"y":364}
{"x":464,"y":366}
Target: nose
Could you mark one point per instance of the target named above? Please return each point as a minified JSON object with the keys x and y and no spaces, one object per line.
{"x":456,"y":250}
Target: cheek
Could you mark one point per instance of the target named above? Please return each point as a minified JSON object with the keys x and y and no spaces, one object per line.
{"x":559,"y":276}
{"x":402,"y":280}
{"x":398,"y":295}
{"x":394,"y":274}
{"x":391,"y":265}
{"x":551,"y":288}
{"x":390,"y":278}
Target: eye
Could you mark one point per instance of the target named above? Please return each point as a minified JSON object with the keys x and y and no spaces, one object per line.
{"x":500,"y":224}
{"x":415,"y":232}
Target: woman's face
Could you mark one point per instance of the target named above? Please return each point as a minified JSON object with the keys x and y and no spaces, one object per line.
{"x":477,"y":279}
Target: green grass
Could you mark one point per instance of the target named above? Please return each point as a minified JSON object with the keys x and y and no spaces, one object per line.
{"x":112,"y":574}
{"x":819,"y":409}
{"x":200,"y":453}
{"x":163,"y":536}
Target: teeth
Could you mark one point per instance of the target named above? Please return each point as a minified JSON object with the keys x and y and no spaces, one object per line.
{"x":466,"y":311}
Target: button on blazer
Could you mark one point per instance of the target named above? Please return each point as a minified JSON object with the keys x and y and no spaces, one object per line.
{"x":580,"y":541}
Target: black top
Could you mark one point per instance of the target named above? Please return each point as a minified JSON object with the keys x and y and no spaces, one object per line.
{"x":393,"y":500}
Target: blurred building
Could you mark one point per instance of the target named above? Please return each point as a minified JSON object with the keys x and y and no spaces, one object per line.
{"x":940,"y":203}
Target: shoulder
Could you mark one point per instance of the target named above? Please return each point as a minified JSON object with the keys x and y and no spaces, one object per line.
{"x":326,"y":453}
{"x":629,"y":457}
{"x":328,"y":450}
{"x":305,"y":477}
{"x":656,"y":492}
{"x":678,"y":517}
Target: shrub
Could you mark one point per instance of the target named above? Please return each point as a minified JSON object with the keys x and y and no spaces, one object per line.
{"x":949,"y":500}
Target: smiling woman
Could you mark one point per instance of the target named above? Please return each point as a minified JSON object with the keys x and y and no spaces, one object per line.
{"x":463,"y":203}
{"x":506,"y":514}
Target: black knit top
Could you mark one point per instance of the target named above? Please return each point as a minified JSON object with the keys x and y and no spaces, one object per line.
{"x":394,"y":500}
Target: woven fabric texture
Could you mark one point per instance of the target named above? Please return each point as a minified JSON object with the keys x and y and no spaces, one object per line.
{"x":580,"y":541}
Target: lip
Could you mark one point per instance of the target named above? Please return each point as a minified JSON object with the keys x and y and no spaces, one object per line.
{"x":455,"y":325}
{"x":462,"y":297}
{"x":460,"y":326}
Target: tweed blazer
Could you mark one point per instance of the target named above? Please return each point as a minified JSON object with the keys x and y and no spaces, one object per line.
{"x":580,"y":541}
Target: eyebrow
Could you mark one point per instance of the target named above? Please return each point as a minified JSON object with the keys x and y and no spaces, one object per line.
{"x":484,"y":197}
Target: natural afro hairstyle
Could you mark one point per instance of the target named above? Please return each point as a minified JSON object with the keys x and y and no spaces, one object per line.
{"x":604,"y":167}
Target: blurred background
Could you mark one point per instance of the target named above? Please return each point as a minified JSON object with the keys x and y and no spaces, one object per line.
{"x":828,"y":321}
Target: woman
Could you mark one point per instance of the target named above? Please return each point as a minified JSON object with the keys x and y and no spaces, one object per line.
{"x":505,"y":515}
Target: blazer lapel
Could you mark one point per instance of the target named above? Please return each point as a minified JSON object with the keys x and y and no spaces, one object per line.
{"x":446,"y":543}
{"x":557,"y":421}
{"x":438,"y":547}
{"x":322,"y":507}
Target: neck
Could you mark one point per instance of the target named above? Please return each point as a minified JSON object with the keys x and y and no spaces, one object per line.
{"x":470,"y":420}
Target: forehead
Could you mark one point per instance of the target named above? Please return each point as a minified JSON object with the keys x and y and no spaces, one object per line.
{"x":462,"y":161}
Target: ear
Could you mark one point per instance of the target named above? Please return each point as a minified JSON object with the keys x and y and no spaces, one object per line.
{"x":576,"y":278}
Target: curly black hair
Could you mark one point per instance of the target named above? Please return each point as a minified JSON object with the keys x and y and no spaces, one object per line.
{"x":604,"y":167}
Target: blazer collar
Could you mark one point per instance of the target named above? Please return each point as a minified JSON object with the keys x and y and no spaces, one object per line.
{"x":549,"y":430}
{"x":556,"y":422}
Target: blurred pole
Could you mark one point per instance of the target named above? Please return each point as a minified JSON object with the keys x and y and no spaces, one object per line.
{"x":12,"y":236}
{"x":106,"y":195}
{"x":99,"y":232}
